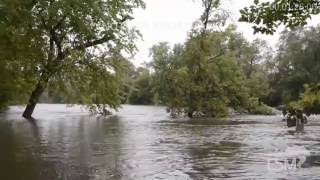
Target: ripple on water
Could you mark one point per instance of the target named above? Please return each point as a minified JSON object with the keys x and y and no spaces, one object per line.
{"x":142,"y":142}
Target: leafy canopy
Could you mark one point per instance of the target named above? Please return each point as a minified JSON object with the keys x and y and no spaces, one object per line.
{"x":209,"y":75}
{"x":75,"y":44}
{"x":268,"y":16}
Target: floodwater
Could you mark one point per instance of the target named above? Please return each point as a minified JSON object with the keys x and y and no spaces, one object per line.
{"x":143,"y":142}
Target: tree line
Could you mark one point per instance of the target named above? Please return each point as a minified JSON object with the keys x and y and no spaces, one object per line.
{"x":248,"y":76}
{"x":74,"y":52}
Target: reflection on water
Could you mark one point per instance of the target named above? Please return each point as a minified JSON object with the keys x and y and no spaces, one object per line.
{"x":142,"y":142}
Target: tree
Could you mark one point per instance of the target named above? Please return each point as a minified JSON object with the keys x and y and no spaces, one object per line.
{"x":209,"y":75}
{"x":296,"y":63}
{"x":13,"y":66}
{"x":161,"y":64}
{"x":7,"y":85}
{"x":78,"y":42}
{"x":310,"y":100}
{"x":142,"y":93}
{"x":268,"y":16}
{"x":298,"y":54}
{"x":251,"y":58}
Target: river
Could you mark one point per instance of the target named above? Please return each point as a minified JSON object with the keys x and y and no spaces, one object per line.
{"x":143,"y":142}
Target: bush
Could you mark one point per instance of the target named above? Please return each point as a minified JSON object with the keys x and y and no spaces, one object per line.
{"x":257,"y":108}
{"x":310,"y":101}
{"x":262,"y":110}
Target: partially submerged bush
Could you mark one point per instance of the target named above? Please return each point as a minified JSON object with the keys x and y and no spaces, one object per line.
{"x":294,"y":116}
{"x":258,"y":108}
{"x":262,"y":110}
{"x":310,"y":101}
{"x":298,"y":111}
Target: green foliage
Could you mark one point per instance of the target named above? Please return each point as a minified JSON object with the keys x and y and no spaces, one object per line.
{"x":74,"y":45}
{"x":293,"y":115}
{"x":142,"y":93}
{"x":310,"y":101}
{"x":298,"y":111}
{"x":91,"y":80}
{"x":209,"y":74}
{"x":268,"y":16}
{"x":296,"y":63}
{"x":13,"y":72}
{"x":256,"y":107}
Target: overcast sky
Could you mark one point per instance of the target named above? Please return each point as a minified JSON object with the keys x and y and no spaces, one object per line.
{"x":170,"y":21}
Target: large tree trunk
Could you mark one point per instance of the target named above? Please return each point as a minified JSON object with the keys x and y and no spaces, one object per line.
{"x":34,"y":98}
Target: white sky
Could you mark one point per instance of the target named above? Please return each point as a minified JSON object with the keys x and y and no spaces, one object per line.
{"x":171,"y":20}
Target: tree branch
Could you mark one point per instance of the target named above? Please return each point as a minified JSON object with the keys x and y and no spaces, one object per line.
{"x":57,"y":41}
{"x":207,"y":14}
{"x":102,"y":40}
{"x":59,"y":24}
{"x":107,"y":37}
{"x":211,"y":59}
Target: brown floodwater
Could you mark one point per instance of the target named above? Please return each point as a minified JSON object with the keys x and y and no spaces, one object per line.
{"x":143,"y":142}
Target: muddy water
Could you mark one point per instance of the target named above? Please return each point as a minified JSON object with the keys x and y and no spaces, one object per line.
{"x":141,"y":142}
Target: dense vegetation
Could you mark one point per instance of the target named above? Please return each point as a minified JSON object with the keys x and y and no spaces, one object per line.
{"x":267,"y":16}
{"x":298,"y":56}
{"x":296,"y":64}
{"x":70,"y":45}
{"x":73,"y":52}
{"x":225,"y":73}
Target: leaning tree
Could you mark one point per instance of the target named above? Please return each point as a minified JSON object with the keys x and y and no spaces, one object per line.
{"x":74,"y":45}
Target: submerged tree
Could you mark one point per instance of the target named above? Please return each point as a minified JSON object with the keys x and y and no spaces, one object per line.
{"x":209,"y":73}
{"x":77,"y":42}
{"x":296,"y":74}
{"x":208,"y":76}
{"x":300,"y":54}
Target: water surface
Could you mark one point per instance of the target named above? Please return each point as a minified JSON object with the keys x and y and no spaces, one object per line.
{"x":143,"y":142}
